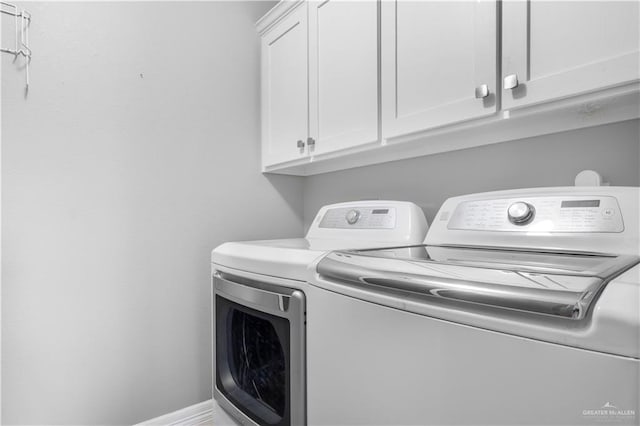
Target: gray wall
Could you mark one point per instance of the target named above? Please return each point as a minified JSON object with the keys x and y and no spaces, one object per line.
{"x":133,"y":156}
{"x":552,"y":160}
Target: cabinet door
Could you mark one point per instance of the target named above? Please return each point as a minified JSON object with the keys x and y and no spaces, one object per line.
{"x":284,"y":89}
{"x":557,"y":49}
{"x":435,"y":54}
{"x":343,"y":74}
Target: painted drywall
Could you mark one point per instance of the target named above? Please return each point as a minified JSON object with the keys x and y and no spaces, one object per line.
{"x":1,"y":44}
{"x":135,"y":153}
{"x":551,"y":160}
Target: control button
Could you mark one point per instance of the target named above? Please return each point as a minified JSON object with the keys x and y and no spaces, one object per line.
{"x":352,"y":216}
{"x":520,"y":213}
{"x":608,"y":212}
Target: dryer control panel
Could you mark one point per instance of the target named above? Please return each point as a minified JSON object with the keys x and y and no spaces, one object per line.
{"x":544,"y":214}
{"x":361,"y":217}
{"x":370,"y":223}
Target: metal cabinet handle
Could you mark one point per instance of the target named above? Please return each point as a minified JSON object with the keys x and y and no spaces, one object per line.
{"x":300,"y":144}
{"x":511,"y":81}
{"x":482,"y":91}
{"x":311,"y":142}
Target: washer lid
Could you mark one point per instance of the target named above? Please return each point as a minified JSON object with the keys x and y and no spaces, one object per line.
{"x":562,"y":285}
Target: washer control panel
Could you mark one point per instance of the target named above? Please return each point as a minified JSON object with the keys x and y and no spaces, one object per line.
{"x":360,"y":217}
{"x":539,"y":214}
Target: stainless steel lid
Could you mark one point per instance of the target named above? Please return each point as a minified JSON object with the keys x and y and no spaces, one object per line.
{"x":557,"y":284}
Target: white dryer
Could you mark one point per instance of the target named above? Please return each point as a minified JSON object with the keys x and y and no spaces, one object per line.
{"x":259,"y":307}
{"x":521,"y":307}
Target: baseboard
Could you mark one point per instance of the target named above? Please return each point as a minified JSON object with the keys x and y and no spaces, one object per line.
{"x":197,"y":414}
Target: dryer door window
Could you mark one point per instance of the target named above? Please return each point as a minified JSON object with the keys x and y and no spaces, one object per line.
{"x":252,"y":361}
{"x":258,"y":364}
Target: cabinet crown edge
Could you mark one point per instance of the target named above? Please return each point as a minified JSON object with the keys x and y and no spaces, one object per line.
{"x":275,"y":14}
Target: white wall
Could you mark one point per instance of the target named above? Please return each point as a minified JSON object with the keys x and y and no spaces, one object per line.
{"x":135,"y":153}
{"x":552,"y":160}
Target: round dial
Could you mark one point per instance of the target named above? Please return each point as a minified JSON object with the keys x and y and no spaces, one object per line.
{"x":521,"y":213}
{"x":352,"y":216}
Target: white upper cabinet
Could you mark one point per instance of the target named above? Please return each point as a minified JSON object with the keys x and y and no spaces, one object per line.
{"x":284,"y":89}
{"x":438,"y":63}
{"x":343,"y":74}
{"x":557,"y":49}
{"x":347,"y":83}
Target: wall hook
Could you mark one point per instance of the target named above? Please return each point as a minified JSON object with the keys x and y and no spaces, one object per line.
{"x":22,"y":20}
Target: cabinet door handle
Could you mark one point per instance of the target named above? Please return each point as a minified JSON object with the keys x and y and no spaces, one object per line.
{"x":300,"y":144}
{"x":482,"y":91}
{"x":511,"y":81}
{"x":311,"y":142}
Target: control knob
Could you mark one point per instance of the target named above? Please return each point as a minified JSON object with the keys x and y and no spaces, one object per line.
{"x":352,"y":216}
{"x":521,"y":213}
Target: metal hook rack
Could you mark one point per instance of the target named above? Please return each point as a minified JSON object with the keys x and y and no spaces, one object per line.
{"x":22,"y":22}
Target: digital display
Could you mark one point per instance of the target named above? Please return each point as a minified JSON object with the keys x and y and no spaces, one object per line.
{"x":581,"y":203}
{"x":380,"y":211}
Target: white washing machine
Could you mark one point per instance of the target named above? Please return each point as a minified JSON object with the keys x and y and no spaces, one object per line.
{"x":260,"y":303}
{"x":521,"y":307}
